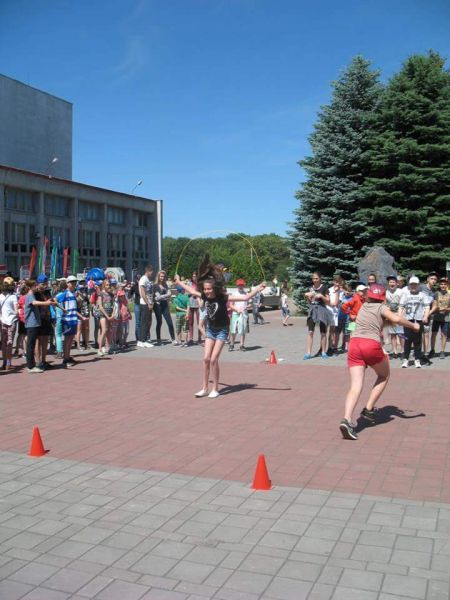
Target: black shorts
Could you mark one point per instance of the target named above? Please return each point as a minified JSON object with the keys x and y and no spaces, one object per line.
{"x":45,"y":328}
{"x":22,"y":330}
{"x":439,"y":325}
{"x":311,"y":325}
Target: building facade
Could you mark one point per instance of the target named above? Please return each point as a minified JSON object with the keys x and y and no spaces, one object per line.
{"x":109,"y":229}
{"x":39,"y":200}
{"x":35,"y":129}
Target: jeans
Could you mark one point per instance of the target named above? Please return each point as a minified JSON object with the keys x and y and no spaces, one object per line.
{"x":413,"y":339}
{"x":32,"y":336}
{"x":59,"y":338}
{"x":256,"y":314}
{"x":162,"y":310}
{"x":146,"y":321}
{"x":137,"y":320}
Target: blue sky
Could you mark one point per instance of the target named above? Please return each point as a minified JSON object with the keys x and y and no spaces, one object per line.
{"x":210,"y":102}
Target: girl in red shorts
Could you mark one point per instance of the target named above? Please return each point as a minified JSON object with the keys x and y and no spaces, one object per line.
{"x":365,"y":350}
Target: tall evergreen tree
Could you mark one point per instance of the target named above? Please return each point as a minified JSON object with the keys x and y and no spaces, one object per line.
{"x":406,"y":198}
{"x":322,"y":235}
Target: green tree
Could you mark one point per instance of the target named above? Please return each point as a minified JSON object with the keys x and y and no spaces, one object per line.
{"x":322,"y":236}
{"x":406,"y":198}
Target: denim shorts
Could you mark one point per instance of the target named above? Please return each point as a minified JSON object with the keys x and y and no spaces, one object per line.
{"x":69,"y":329}
{"x":214,"y":333}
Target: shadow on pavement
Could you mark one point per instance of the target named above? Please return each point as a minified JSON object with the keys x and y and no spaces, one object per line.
{"x":231,"y":389}
{"x":384,"y":415}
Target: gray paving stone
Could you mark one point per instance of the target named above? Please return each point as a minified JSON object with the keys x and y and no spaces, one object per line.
{"x":189,"y":571}
{"x":206,"y":555}
{"x":199,"y":589}
{"x":325,"y":532}
{"x":438,"y":590}
{"x":344,"y":593}
{"x":156,"y":594}
{"x":371,"y":553}
{"x":91,"y":535}
{"x":13,"y":590}
{"x":68,"y":580}
{"x":172,"y":549}
{"x":40,"y":593}
{"x":104,"y":555}
{"x":72,"y":549}
{"x":95,"y":586}
{"x":259,"y":563}
{"x":300,"y":570}
{"x":154,"y":565}
{"x":33,"y":573}
{"x":244,"y":581}
{"x":280,"y":540}
{"x":321,"y":591}
{"x":25,"y":539}
{"x":330,"y":575}
{"x":361,"y":580}
{"x":315,"y":546}
{"x":412,"y":587}
{"x":411,"y":559}
{"x":420,"y":522}
{"x":121,"y":590}
{"x":283,"y":588}
{"x":376,"y":538}
{"x":218,"y":577}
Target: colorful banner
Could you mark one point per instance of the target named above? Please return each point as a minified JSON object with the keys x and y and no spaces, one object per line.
{"x":65,"y":261}
{"x":75,"y":262}
{"x":32,"y":262}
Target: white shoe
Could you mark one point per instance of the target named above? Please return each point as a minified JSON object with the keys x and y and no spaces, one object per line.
{"x":417,"y":364}
{"x":148,"y":345}
{"x":213,"y":394}
{"x":201,"y":394}
{"x":405,"y":364}
{"x":140,"y":345}
{"x":175,"y":343}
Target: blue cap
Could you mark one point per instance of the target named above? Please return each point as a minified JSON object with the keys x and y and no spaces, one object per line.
{"x":180,"y":289}
{"x":42,"y":279}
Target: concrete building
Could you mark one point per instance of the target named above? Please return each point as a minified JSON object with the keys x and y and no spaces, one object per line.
{"x":109,"y":229}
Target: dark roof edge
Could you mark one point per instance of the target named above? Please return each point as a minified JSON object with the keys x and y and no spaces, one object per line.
{"x":36,"y":89}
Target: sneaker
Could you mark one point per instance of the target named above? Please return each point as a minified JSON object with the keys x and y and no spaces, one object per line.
{"x":100,"y":353}
{"x":369,"y":415}
{"x":201,"y":394}
{"x":148,"y":345}
{"x":175,"y":343}
{"x":442,"y":355}
{"x":325,"y":355}
{"x":231,"y":348}
{"x":35,"y":370}
{"x":59,"y":355}
{"x":431,"y":354}
{"x":395,"y":356}
{"x":347,"y":430}
{"x":417,"y":364}
{"x":243,"y":349}
{"x":405,"y":363}
{"x":426,"y":360}
{"x":139,"y":345}
{"x":307,"y":356}
{"x":213,"y":394}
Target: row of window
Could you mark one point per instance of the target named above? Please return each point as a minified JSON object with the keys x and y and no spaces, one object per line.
{"x":58,"y":206}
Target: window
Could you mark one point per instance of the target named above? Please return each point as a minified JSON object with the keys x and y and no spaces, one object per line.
{"x":115,"y":216}
{"x":20,"y":200}
{"x":88,"y":212}
{"x":57,"y":236}
{"x":18,"y":233}
{"x":89,"y":242}
{"x":140,"y":246}
{"x":141,"y":219}
{"x":56,"y":206}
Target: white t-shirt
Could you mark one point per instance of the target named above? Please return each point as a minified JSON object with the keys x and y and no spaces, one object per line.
{"x":145,"y":282}
{"x":414,"y":304}
{"x":8,"y":304}
{"x":334,"y":297}
{"x":241,"y":305}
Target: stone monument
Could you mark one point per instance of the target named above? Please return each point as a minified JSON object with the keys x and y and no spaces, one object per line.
{"x":377,"y":261}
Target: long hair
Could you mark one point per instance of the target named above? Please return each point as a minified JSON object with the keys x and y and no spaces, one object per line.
{"x":209,"y":272}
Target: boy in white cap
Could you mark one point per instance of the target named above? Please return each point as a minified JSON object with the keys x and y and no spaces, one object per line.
{"x":414,"y":307}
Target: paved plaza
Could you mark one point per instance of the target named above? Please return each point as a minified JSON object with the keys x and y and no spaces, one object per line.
{"x":145,"y":491}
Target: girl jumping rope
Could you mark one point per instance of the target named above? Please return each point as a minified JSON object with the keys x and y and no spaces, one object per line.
{"x":211,"y":289}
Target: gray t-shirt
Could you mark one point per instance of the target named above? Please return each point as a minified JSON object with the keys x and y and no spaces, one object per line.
{"x":32,"y":313}
{"x":414,"y":305}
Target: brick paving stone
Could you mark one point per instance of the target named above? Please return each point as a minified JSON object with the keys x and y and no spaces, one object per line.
{"x":412,"y":587}
{"x":284,"y":588}
{"x":13,"y":590}
{"x":244,"y":581}
{"x":33,"y":573}
{"x":94,"y":586}
{"x":158,"y":594}
{"x":41,"y":593}
{"x":104,"y":555}
{"x":154,"y":565}
{"x":321,"y":591}
{"x":345,"y":593}
{"x":119,"y":590}
{"x":191,"y":572}
{"x":67,"y":580}
{"x":361,"y":580}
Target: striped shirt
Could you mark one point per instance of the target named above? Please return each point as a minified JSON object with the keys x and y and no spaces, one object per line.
{"x":69,"y":302}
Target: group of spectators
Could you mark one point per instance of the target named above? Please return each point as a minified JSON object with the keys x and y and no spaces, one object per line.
{"x":334,"y":310}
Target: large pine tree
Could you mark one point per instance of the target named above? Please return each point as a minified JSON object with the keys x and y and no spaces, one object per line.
{"x":406,"y":198}
{"x":322,"y":235}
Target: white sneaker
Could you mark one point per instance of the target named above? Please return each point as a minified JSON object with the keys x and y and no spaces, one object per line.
{"x":417,"y":364}
{"x":175,"y":343}
{"x":213,"y":394}
{"x":140,"y":345}
{"x":148,"y":345}
{"x":201,"y":394}
{"x":405,"y":363}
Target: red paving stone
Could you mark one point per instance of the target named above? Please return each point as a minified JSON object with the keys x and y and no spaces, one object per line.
{"x":141,"y":413}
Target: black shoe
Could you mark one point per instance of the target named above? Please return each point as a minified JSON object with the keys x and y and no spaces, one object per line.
{"x":426,"y":361}
{"x":230,"y":348}
{"x":368,"y":414}
{"x":243,"y":349}
{"x":431,"y":354}
{"x":347,"y":430}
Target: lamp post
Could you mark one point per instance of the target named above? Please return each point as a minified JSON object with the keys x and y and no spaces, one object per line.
{"x":137,"y":185}
{"x":50,"y":164}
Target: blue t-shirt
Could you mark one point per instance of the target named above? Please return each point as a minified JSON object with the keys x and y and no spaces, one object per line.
{"x":69,"y":301}
{"x":31,"y":312}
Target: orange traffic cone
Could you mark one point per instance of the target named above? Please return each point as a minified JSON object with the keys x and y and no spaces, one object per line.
{"x":37,"y":447}
{"x":261,"y":480}
{"x":273,"y":358}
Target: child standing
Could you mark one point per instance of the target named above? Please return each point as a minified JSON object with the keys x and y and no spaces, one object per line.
{"x":285,"y":312}
{"x":211,"y":289}
{"x":181,"y":302}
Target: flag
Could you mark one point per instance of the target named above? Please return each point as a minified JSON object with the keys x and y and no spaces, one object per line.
{"x":32,"y":262}
{"x":44,"y":255}
{"x":75,"y":262}
{"x":54,"y":262}
{"x":65,"y":261}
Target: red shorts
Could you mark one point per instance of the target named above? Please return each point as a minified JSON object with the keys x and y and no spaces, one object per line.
{"x":363,"y":352}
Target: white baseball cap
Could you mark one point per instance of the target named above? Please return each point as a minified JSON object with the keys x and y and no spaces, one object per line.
{"x":361,"y":288}
{"x":71,"y":278}
{"x":414,"y":279}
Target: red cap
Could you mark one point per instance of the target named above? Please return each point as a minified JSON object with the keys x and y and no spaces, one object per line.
{"x":240,"y":282}
{"x":376,"y":292}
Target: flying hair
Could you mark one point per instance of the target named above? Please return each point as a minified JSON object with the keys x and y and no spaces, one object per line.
{"x":208,"y":272}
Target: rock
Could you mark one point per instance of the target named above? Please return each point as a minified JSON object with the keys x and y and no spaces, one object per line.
{"x":377,"y":261}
